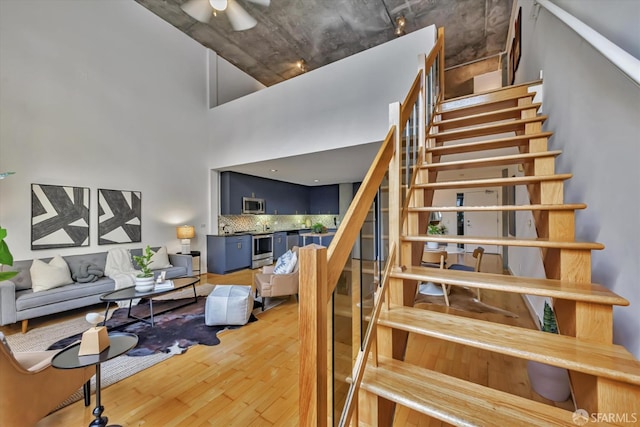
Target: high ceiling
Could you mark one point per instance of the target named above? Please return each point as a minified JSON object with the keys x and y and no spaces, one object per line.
{"x":324,"y":31}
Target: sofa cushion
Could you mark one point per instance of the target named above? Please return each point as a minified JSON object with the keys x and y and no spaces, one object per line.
{"x":28,"y":299}
{"x":45,"y":276}
{"x":160,"y":259}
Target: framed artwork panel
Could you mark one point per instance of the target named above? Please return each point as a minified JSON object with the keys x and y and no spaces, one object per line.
{"x":59,"y":216}
{"x":119,"y":216}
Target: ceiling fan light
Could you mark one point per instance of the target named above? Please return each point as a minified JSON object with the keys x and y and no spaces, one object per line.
{"x":218,"y":4}
{"x":200,"y":10}
{"x":239,"y":18}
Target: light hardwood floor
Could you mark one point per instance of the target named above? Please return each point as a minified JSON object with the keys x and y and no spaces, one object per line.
{"x":251,"y":377}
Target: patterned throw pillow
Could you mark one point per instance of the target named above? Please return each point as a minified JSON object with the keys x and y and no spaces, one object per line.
{"x":282,"y":264}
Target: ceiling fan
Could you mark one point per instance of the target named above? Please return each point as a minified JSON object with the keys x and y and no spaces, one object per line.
{"x":240,"y":19}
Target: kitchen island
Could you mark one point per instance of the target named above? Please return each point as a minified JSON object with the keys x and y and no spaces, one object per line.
{"x":320,"y":236}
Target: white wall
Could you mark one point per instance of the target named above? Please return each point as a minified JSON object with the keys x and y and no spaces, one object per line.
{"x":227,"y":82}
{"x":342,"y":104}
{"x":593,"y":111}
{"x":101,"y":94}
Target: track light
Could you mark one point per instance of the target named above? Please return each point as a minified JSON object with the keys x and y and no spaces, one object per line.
{"x":400,"y":24}
{"x":302,"y":65}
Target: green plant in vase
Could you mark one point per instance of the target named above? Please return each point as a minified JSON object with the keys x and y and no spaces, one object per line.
{"x":5,"y":256}
{"x":144,"y":261}
{"x":437,"y":229}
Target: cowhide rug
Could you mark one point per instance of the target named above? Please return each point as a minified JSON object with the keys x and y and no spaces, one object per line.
{"x":174,"y":331}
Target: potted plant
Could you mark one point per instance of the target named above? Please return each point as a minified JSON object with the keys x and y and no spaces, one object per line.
{"x":318,"y":228}
{"x":144,"y":280}
{"x":549,"y":381}
{"x":5,"y":256}
{"x":435,"y":229}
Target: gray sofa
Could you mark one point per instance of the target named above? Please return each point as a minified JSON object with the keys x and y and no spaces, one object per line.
{"x":18,"y":302}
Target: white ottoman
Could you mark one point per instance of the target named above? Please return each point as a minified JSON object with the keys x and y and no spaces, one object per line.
{"x":228,"y":305}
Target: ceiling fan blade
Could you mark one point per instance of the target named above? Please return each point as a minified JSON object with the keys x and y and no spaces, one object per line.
{"x":265,"y":3}
{"x":199,"y":10}
{"x":239,"y":18}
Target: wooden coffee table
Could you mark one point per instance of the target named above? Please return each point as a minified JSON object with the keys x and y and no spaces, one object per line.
{"x":130,"y":293}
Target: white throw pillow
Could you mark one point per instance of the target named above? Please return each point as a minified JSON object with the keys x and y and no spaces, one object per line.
{"x":282,"y":263}
{"x":160,"y":259}
{"x":48,"y":276}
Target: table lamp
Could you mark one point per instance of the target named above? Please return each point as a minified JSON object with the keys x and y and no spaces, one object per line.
{"x":95,"y":339}
{"x":185,"y":233}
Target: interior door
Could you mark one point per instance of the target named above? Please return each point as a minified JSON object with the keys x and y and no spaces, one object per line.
{"x":481,"y":223}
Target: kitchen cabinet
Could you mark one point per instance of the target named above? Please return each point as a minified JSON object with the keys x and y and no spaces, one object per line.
{"x":324,"y":199}
{"x":279,"y":244}
{"x":228,"y":253}
{"x":281,"y":198}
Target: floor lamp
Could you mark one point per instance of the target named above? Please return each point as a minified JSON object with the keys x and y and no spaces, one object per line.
{"x":185,"y":233}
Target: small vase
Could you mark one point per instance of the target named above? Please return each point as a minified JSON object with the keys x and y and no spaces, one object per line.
{"x":432,"y":245}
{"x":549,"y":381}
{"x":144,"y":284}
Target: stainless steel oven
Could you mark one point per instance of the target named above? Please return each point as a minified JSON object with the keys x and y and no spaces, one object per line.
{"x":262,"y":250}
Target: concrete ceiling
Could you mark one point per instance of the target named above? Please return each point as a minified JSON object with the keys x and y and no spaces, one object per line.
{"x":324,"y":31}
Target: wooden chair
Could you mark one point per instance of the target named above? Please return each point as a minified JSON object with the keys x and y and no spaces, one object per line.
{"x":436,"y":259}
{"x":477,"y":254}
{"x":30,"y":388}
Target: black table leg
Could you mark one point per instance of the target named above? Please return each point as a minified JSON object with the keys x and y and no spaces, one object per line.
{"x":86,"y":389}
{"x":99,"y":421}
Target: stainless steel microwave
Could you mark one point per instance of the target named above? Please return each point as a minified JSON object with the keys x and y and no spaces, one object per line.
{"x":251,"y":205}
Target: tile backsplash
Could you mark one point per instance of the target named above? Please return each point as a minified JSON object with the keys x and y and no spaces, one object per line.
{"x":238,"y":223}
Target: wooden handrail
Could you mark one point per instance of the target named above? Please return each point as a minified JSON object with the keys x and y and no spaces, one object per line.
{"x":342,"y":243}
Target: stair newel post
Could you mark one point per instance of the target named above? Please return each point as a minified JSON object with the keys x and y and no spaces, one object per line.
{"x":313,"y":333}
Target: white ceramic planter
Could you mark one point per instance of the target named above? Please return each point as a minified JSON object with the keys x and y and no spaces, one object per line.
{"x":144,"y":284}
{"x":432,"y":245}
{"x":549,"y":381}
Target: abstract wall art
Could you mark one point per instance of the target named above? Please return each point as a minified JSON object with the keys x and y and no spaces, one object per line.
{"x":59,"y":216}
{"x":119,"y":216}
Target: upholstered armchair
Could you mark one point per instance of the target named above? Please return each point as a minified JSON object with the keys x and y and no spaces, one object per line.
{"x":269,"y":284}
{"x":30,"y":388}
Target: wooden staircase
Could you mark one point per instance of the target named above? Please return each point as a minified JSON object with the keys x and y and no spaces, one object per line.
{"x":605,"y":377}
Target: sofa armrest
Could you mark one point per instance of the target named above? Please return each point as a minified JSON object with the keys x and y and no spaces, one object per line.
{"x":268,"y":269}
{"x":8,"y":313}
{"x":180,"y":260}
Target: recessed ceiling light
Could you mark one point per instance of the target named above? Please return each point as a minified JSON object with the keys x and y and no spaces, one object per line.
{"x":316,"y":180}
{"x":274,"y":170}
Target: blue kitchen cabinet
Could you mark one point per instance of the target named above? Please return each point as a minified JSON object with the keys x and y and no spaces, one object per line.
{"x":228,"y":253}
{"x":281,"y":198}
{"x":279,"y":244}
{"x":324,"y":199}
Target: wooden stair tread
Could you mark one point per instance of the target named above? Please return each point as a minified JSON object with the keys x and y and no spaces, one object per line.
{"x":538,"y":242}
{"x":509,"y":126}
{"x":563,"y":207}
{"x":590,"y":292}
{"x":508,"y":101}
{"x":490,"y":144}
{"x":490,"y":161}
{"x":593,"y":358}
{"x":493,"y":182}
{"x":487,"y":96}
{"x":493,"y":115}
{"x":456,"y":401}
